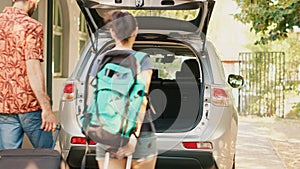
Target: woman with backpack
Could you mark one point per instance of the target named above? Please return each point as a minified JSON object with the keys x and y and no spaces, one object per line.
{"x":142,"y":143}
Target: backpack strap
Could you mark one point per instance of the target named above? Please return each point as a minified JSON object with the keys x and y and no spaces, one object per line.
{"x":139,"y":57}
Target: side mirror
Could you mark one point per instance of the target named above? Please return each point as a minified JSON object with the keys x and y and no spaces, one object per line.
{"x":235,"y":81}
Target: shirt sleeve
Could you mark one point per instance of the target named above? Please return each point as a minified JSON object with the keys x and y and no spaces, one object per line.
{"x":95,"y":65}
{"x":147,"y":64}
{"x":34,"y":46}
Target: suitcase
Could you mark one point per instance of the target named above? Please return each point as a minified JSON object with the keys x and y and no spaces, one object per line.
{"x":31,"y":158}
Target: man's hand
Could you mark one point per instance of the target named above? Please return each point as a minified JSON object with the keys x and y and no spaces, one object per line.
{"x":48,"y":121}
{"x":37,"y":83}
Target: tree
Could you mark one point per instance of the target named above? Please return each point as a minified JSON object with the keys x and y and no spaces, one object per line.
{"x":270,"y":19}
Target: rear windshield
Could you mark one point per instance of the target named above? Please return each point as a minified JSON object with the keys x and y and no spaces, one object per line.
{"x":167,"y":70}
{"x":186,"y":15}
{"x":167,"y":59}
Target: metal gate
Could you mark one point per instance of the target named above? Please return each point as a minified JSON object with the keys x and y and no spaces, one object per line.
{"x":264,"y":74}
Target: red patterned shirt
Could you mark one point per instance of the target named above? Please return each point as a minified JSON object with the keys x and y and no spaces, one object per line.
{"x":21,"y":39}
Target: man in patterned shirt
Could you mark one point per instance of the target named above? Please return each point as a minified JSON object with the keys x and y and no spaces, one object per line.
{"x":24,"y":103}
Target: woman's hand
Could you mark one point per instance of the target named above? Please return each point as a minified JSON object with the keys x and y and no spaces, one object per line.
{"x":128,"y":149}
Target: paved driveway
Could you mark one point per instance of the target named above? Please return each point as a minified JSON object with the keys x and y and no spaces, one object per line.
{"x":265,"y":143}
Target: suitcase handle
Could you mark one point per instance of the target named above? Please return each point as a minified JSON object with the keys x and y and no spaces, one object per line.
{"x":128,"y":163}
{"x":58,"y":127}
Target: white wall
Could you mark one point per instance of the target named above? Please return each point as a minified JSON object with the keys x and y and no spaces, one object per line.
{"x":228,"y":34}
{"x":70,"y":12}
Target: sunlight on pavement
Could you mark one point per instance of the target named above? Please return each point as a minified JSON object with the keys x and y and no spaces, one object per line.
{"x":265,"y":143}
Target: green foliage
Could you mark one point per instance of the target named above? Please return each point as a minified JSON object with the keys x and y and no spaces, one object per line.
{"x":261,"y":103}
{"x":290,"y":47}
{"x":264,"y":74}
{"x":297,"y":106}
{"x":270,"y":19}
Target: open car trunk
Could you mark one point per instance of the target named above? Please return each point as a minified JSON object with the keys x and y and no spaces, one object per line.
{"x":176,"y":89}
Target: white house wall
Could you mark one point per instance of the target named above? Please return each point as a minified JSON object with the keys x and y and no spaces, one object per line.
{"x":70,"y":14}
{"x":228,"y":35}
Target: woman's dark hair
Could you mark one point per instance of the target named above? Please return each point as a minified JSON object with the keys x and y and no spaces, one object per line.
{"x":122,"y":23}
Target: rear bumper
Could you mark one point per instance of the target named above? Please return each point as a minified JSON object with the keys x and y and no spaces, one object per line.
{"x":186,"y":159}
{"x":76,"y":154}
{"x":167,"y":160}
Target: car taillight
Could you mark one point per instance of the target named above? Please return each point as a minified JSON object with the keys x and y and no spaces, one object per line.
{"x":69,"y":88}
{"x":81,"y":140}
{"x":69,"y":91}
{"x":220,"y":97}
{"x":198,"y":145}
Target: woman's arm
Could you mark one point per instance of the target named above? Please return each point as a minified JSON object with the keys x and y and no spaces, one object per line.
{"x":130,"y":147}
{"x":146,"y":77}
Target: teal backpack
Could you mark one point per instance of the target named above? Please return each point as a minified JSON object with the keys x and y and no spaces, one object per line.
{"x":117,"y":97}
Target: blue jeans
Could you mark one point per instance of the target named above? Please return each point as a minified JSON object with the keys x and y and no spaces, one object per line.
{"x":13,"y":127}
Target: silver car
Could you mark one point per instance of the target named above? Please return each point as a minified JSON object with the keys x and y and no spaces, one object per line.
{"x":196,"y":120}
